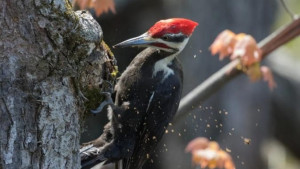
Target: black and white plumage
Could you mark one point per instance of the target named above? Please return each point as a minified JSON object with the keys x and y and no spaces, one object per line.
{"x":147,"y":97}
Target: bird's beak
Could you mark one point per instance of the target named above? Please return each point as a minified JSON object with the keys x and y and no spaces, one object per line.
{"x":142,"y":40}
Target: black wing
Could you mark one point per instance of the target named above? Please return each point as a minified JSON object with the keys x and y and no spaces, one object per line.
{"x":162,"y":107}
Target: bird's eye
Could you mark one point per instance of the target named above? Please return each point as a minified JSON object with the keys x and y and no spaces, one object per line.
{"x":165,"y":38}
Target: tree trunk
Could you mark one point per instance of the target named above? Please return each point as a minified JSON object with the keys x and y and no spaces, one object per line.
{"x":48,"y":55}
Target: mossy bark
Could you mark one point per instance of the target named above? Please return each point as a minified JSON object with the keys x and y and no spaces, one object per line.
{"x":48,"y":55}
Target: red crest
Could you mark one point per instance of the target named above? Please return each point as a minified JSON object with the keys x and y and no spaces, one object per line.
{"x":173,"y":25}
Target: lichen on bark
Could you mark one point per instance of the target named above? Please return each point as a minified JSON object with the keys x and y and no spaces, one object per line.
{"x":48,"y":55}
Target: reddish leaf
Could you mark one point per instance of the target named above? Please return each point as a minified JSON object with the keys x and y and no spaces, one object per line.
{"x":100,"y":6}
{"x":255,"y":72}
{"x":223,"y":44}
{"x":246,"y":49}
{"x":268,"y":77}
{"x":103,"y":6}
{"x":243,"y":47}
{"x":208,"y":154}
{"x":196,"y":144}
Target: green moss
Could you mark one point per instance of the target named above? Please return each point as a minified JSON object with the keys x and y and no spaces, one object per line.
{"x":94,"y":98}
{"x":107,"y":49}
{"x":69,"y":13}
{"x":115,"y":72}
{"x":68,"y":5}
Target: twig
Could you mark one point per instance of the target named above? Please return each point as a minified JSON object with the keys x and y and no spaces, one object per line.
{"x":222,"y":77}
{"x":292,"y":15}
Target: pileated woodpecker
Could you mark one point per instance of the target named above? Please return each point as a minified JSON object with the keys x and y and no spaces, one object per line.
{"x":147,"y":97}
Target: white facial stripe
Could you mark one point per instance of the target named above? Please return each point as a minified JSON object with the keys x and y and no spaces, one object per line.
{"x":162,"y":65}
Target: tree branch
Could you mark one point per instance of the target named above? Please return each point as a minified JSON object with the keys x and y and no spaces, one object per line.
{"x":222,"y":77}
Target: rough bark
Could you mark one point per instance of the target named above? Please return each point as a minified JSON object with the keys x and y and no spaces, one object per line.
{"x":48,"y":55}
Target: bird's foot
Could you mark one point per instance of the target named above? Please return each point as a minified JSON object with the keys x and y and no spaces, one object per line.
{"x":107,"y":86}
{"x":107,"y":101}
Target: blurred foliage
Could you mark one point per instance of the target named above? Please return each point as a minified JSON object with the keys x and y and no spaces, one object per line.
{"x":283,"y":18}
{"x":245,"y":48}
{"x":100,"y":6}
{"x":208,"y":154}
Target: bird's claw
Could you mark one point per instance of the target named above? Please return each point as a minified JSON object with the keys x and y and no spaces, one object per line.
{"x":107,"y":86}
{"x":107,"y":101}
